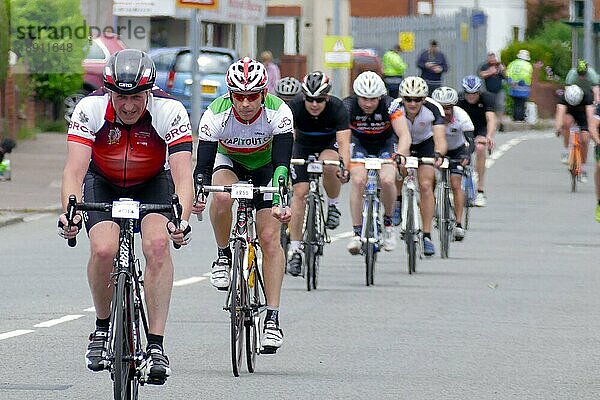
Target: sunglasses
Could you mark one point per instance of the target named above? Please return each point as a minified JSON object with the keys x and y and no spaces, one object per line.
{"x":412,"y":99}
{"x":317,"y":99}
{"x":251,"y":96}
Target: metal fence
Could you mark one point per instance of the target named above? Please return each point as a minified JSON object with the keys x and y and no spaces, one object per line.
{"x":461,"y":37}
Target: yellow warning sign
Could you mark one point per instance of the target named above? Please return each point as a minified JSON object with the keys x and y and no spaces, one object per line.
{"x":406,"y":40}
{"x":338,"y":51}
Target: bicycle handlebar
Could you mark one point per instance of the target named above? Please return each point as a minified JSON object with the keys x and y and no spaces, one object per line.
{"x":301,"y":161}
{"x":72,"y":207}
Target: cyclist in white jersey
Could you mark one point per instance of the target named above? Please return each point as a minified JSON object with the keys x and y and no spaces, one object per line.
{"x":459,"y":135}
{"x":247,"y":133}
{"x":425,"y":118}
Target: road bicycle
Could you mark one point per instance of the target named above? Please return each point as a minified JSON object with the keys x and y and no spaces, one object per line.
{"x":445,"y":217}
{"x":372,"y":219}
{"x":126,"y":355}
{"x":246,"y":301}
{"x":575,"y":159}
{"x":314,"y":232}
{"x":468,"y":186}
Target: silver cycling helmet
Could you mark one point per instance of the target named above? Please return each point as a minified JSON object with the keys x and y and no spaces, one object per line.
{"x":445,"y":95}
{"x":370,"y":85}
{"x":413,"y":86}
{"x":288,"y":86}
{"x":573,"y":95}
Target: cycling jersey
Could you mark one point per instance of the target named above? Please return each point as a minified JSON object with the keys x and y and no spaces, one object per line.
{"x":477,"y":111}
{"x":314,"y":131}
{"x":578,"y":112}
{"x":421,"y":127}
{"x":370,"y":128}
{"x":129,"y":155}
{"x":266,"y":139}
{"x":458,"y":128}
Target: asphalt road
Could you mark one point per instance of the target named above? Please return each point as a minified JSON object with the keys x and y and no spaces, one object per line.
{"x":513,"y":314}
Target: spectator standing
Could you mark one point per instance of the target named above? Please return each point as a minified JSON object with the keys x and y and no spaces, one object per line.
{"x":493,"y":73}
{"x":393,"y":70}
{"x":273,"y":73}
{"x":432,"y":63}
{"x":518,"y":74}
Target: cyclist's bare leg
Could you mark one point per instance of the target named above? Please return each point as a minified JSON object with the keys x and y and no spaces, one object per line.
{"x":358,"y":175}
{"x":459,"y":196}
{"x":387,"y":179}
{"x":158,"y":274}
{"x":220,"y":207}
{"x":268,"y":229}
{"x":298,"y":204}
{"x":480,"y":150}
{"x":104,"y":243}
{"x":331,"y":182}
{"x":426,"y":175}
{"x":584,"y":146}
{"x":567,"y":122}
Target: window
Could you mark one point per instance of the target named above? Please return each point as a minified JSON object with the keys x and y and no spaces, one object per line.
{"x":96,"y":52}
{"x":209,"y":63}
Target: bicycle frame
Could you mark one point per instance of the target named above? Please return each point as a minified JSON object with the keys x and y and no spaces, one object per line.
{"x":575,"y":157}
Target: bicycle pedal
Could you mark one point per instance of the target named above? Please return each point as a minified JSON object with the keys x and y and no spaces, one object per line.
{"x":155,"y":381}
{"x":268,"y":350}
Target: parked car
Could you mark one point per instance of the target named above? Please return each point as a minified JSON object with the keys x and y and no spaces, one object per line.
{"x":101,"y":48}
{"x":174,"y":72}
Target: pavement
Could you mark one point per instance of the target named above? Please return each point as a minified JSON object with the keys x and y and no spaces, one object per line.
{"x":34,"y":188}
{"x":37,"y":166}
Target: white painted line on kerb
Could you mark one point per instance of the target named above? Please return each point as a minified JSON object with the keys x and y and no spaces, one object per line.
{"x":18,"y":332}
{"x":57,"y":321}
{"x":189,"y":281}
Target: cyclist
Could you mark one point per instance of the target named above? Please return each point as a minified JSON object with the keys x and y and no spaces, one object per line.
{"x":320,"y":120}
{"x":247,"y":133}
{"x":480,"y":108}
{"x":425,"y":118}
{"x":459,"y":135}
{"x":287,"y":88}
{"x":576,"y":107}
{"x":129,"y":139}
{"x":373,"y":135}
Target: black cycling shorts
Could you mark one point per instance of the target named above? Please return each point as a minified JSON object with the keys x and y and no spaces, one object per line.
{"x":301,"y":150}
{"x":424,"y":149}
{"x":458,"y":153}
{"x":261,"y":176}
{"x":581,"y":120}
{"x":380,"y":149}
{"x":96,"y":189}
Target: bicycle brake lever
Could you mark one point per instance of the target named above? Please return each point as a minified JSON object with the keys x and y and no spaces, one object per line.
{"x":71,"y":208}
{"x":176,"y":207}
{"x":199,"y":193}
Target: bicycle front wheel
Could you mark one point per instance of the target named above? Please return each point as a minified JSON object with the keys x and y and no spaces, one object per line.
{"x":370,"y":251}
{"x":444,"y":225}
{"x":410,"y":234}
{"x":123,"y":369}
{"x":257,"y":305}
{"x":310,"y":245}
{"x":236,"y":312}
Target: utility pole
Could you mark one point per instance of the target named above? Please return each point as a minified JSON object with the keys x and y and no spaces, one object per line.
{"x":196,"y":77}
{"x":337,"y":77}
{"x":588,"y":16}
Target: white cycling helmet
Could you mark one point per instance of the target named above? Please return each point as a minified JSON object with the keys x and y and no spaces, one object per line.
{"x":413,"y":86}
{"x":370,"y":85}
{"x":246,"y":75}
{"x":573,"y":95}
{"x":288,"y":86}
{"x":445,"y":95}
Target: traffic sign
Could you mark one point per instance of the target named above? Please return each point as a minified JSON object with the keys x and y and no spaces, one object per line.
{"x":406,"y":40}
{"x":338,"y":51}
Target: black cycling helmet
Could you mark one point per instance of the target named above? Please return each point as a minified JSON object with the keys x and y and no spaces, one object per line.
{"x":316,"y":84}
{"x":129,"y":71}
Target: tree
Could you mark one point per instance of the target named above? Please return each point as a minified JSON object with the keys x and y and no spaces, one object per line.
{"x":542,"y":12}
{"x":50,"y":36}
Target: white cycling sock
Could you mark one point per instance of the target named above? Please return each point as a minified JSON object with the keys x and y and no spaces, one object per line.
{"x":331,"y":201}
{"x":295,"y":245}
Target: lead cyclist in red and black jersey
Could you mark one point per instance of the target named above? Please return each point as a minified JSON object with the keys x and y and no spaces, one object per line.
{"x":425,"y":119}
{"x":128,"y":140}
{"x":247,"y":133}
{"x":374,"y":134}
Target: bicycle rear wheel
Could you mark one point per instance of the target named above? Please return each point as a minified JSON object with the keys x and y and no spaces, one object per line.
{"x":236,"y":312}
{"x":409,"y":236}
{"x":123,"y":369}
{"x":256,"y":304}
{"x":310,"y":245}
{"x":370,"y":253}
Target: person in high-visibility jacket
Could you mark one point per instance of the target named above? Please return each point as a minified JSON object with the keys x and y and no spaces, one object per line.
{"x":519,"y":74}
{"x":393,"y":70}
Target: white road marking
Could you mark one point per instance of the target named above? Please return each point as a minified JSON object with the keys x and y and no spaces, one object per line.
{"x":57,"y":321}
{"x":341,"y":235}
{"x":90,"y":309}
{"x":189,"y":281}
{"x":18,"y":332}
